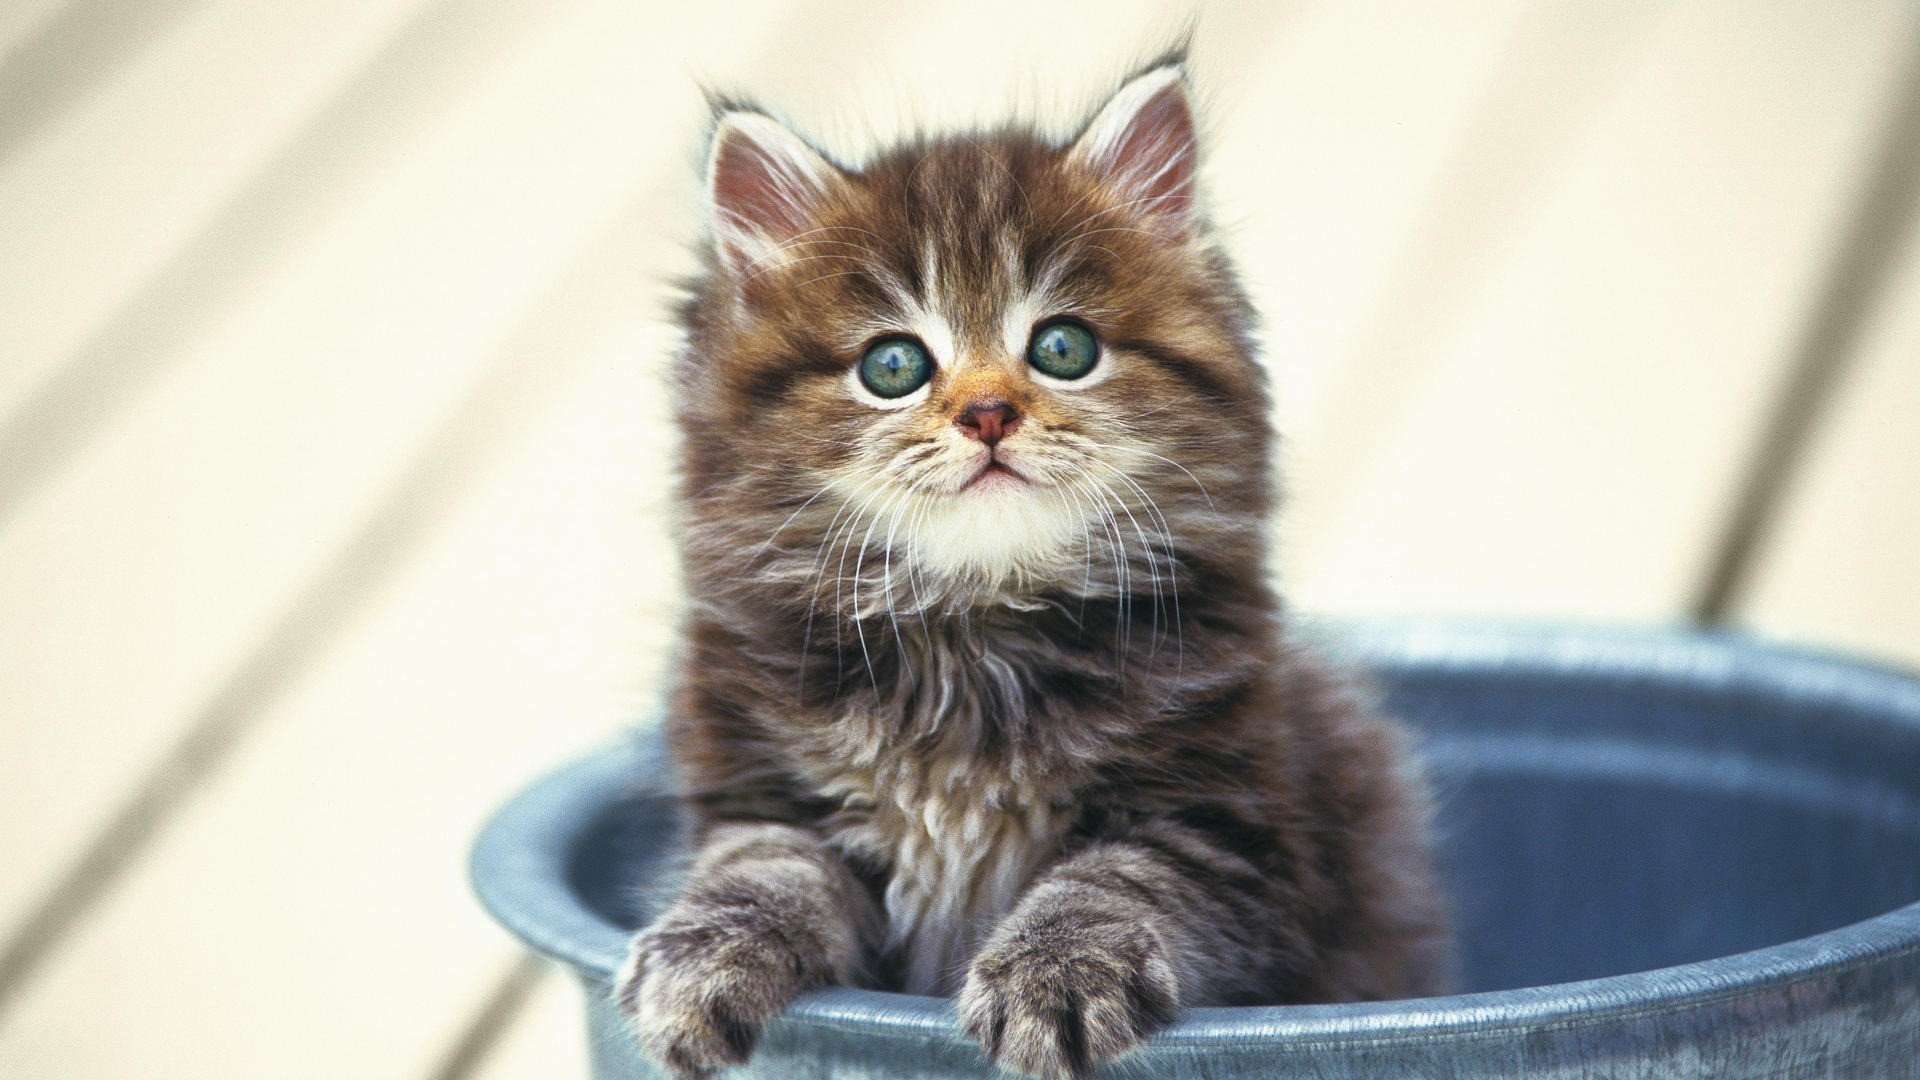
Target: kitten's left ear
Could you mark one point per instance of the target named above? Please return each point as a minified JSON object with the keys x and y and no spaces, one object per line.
{"x":1143,"y":142}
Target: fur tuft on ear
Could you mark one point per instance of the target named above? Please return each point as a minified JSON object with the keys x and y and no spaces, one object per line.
{"x":1142,"y":141}
{"x":764,"y":187}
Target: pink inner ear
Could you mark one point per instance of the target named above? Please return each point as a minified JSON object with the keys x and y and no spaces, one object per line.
{"x":1155,"y":154}
{"x":752,"y":191}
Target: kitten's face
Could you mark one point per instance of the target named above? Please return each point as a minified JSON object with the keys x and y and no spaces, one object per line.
{"x":987,"y":365}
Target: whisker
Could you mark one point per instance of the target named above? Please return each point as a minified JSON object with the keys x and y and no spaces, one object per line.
{"x":887,"y":573}
{"x":1158,"y":457}
{"x":1153,"y":565}
{"x":813,"y":595}
{"x":1173,"y":562}
{"x":761,"y":550}
{"x":859,"y":617}
{"x":1122,"y":575}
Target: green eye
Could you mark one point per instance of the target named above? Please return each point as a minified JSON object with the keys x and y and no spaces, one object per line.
{"x":895,"y":367}
{"x":1064,"y":350}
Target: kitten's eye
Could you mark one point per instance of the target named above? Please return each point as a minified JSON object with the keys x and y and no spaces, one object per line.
{"x":896,"y":367}
{"x":1063,"y":349}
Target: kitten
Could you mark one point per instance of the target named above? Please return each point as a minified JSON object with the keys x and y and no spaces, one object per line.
{"x":982,"y":688}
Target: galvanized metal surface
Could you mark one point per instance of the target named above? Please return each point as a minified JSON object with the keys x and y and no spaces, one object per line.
{"x":1671,"y":855}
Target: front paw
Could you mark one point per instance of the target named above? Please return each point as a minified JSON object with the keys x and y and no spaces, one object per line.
{"x":1054,"y":1000}
{"x":700,"y":989}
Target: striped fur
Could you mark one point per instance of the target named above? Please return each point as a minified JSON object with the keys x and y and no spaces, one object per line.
{"x":1044,"y":744}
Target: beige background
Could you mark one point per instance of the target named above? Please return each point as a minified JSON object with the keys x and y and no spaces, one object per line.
{"x":332,"y":454}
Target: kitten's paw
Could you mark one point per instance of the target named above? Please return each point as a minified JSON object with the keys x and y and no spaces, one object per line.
{"x":1054,"y":1000}
{"x":699,"y":991}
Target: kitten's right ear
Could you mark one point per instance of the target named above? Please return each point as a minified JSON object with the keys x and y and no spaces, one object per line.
{"x":764,"y":187}
{"x":1142,"y":142}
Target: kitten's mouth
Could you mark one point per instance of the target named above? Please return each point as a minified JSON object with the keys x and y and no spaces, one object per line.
{"x":994,"y":473}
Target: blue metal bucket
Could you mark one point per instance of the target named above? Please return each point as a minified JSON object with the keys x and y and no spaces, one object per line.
{"x":1670,"y":854}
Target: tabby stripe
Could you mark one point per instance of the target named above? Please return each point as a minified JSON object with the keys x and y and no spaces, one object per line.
{"x":1212,"y":384}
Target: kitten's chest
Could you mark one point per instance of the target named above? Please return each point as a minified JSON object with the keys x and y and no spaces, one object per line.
{"x":958,"y":840}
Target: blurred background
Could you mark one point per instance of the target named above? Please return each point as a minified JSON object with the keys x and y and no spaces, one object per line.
{"x":333,"y":454}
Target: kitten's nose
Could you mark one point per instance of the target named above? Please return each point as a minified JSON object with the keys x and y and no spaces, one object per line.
{"x":989,"y":421}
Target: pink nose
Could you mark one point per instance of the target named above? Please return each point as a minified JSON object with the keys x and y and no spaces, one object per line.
{"x":988,"y":421}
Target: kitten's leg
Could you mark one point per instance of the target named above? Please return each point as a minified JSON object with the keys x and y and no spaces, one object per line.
{"x":767,"y":912}
{"x":1105,"y":945}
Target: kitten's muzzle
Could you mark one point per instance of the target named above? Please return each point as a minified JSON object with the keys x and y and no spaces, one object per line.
{"x":988,"y":421}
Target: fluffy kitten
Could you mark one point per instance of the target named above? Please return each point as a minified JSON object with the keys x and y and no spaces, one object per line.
{"x":983,"y":690}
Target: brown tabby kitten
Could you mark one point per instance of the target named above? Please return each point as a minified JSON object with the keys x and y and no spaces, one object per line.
{"x":983,"y":690}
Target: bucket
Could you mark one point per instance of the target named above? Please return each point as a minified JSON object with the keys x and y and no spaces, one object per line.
{"x":1668,"y":854}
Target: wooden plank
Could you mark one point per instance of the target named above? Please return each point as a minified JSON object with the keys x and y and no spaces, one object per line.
{"x":135,"y":584}
{"x":64,"y":55}
{"x":547,"y":1042}
{"x":1321,"y":171}
{"x":1839,"y":569}
{"x":1855,"y":288}
{"x":95,"y":204}
{"x":1558,"y":441}
{"x":308,"y":916}
{"x":21,"y":22}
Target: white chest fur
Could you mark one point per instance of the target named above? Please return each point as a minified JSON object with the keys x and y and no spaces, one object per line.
{"x":960,"y":842}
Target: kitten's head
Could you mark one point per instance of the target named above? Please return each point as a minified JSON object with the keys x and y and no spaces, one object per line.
{"x":980,"y":369}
